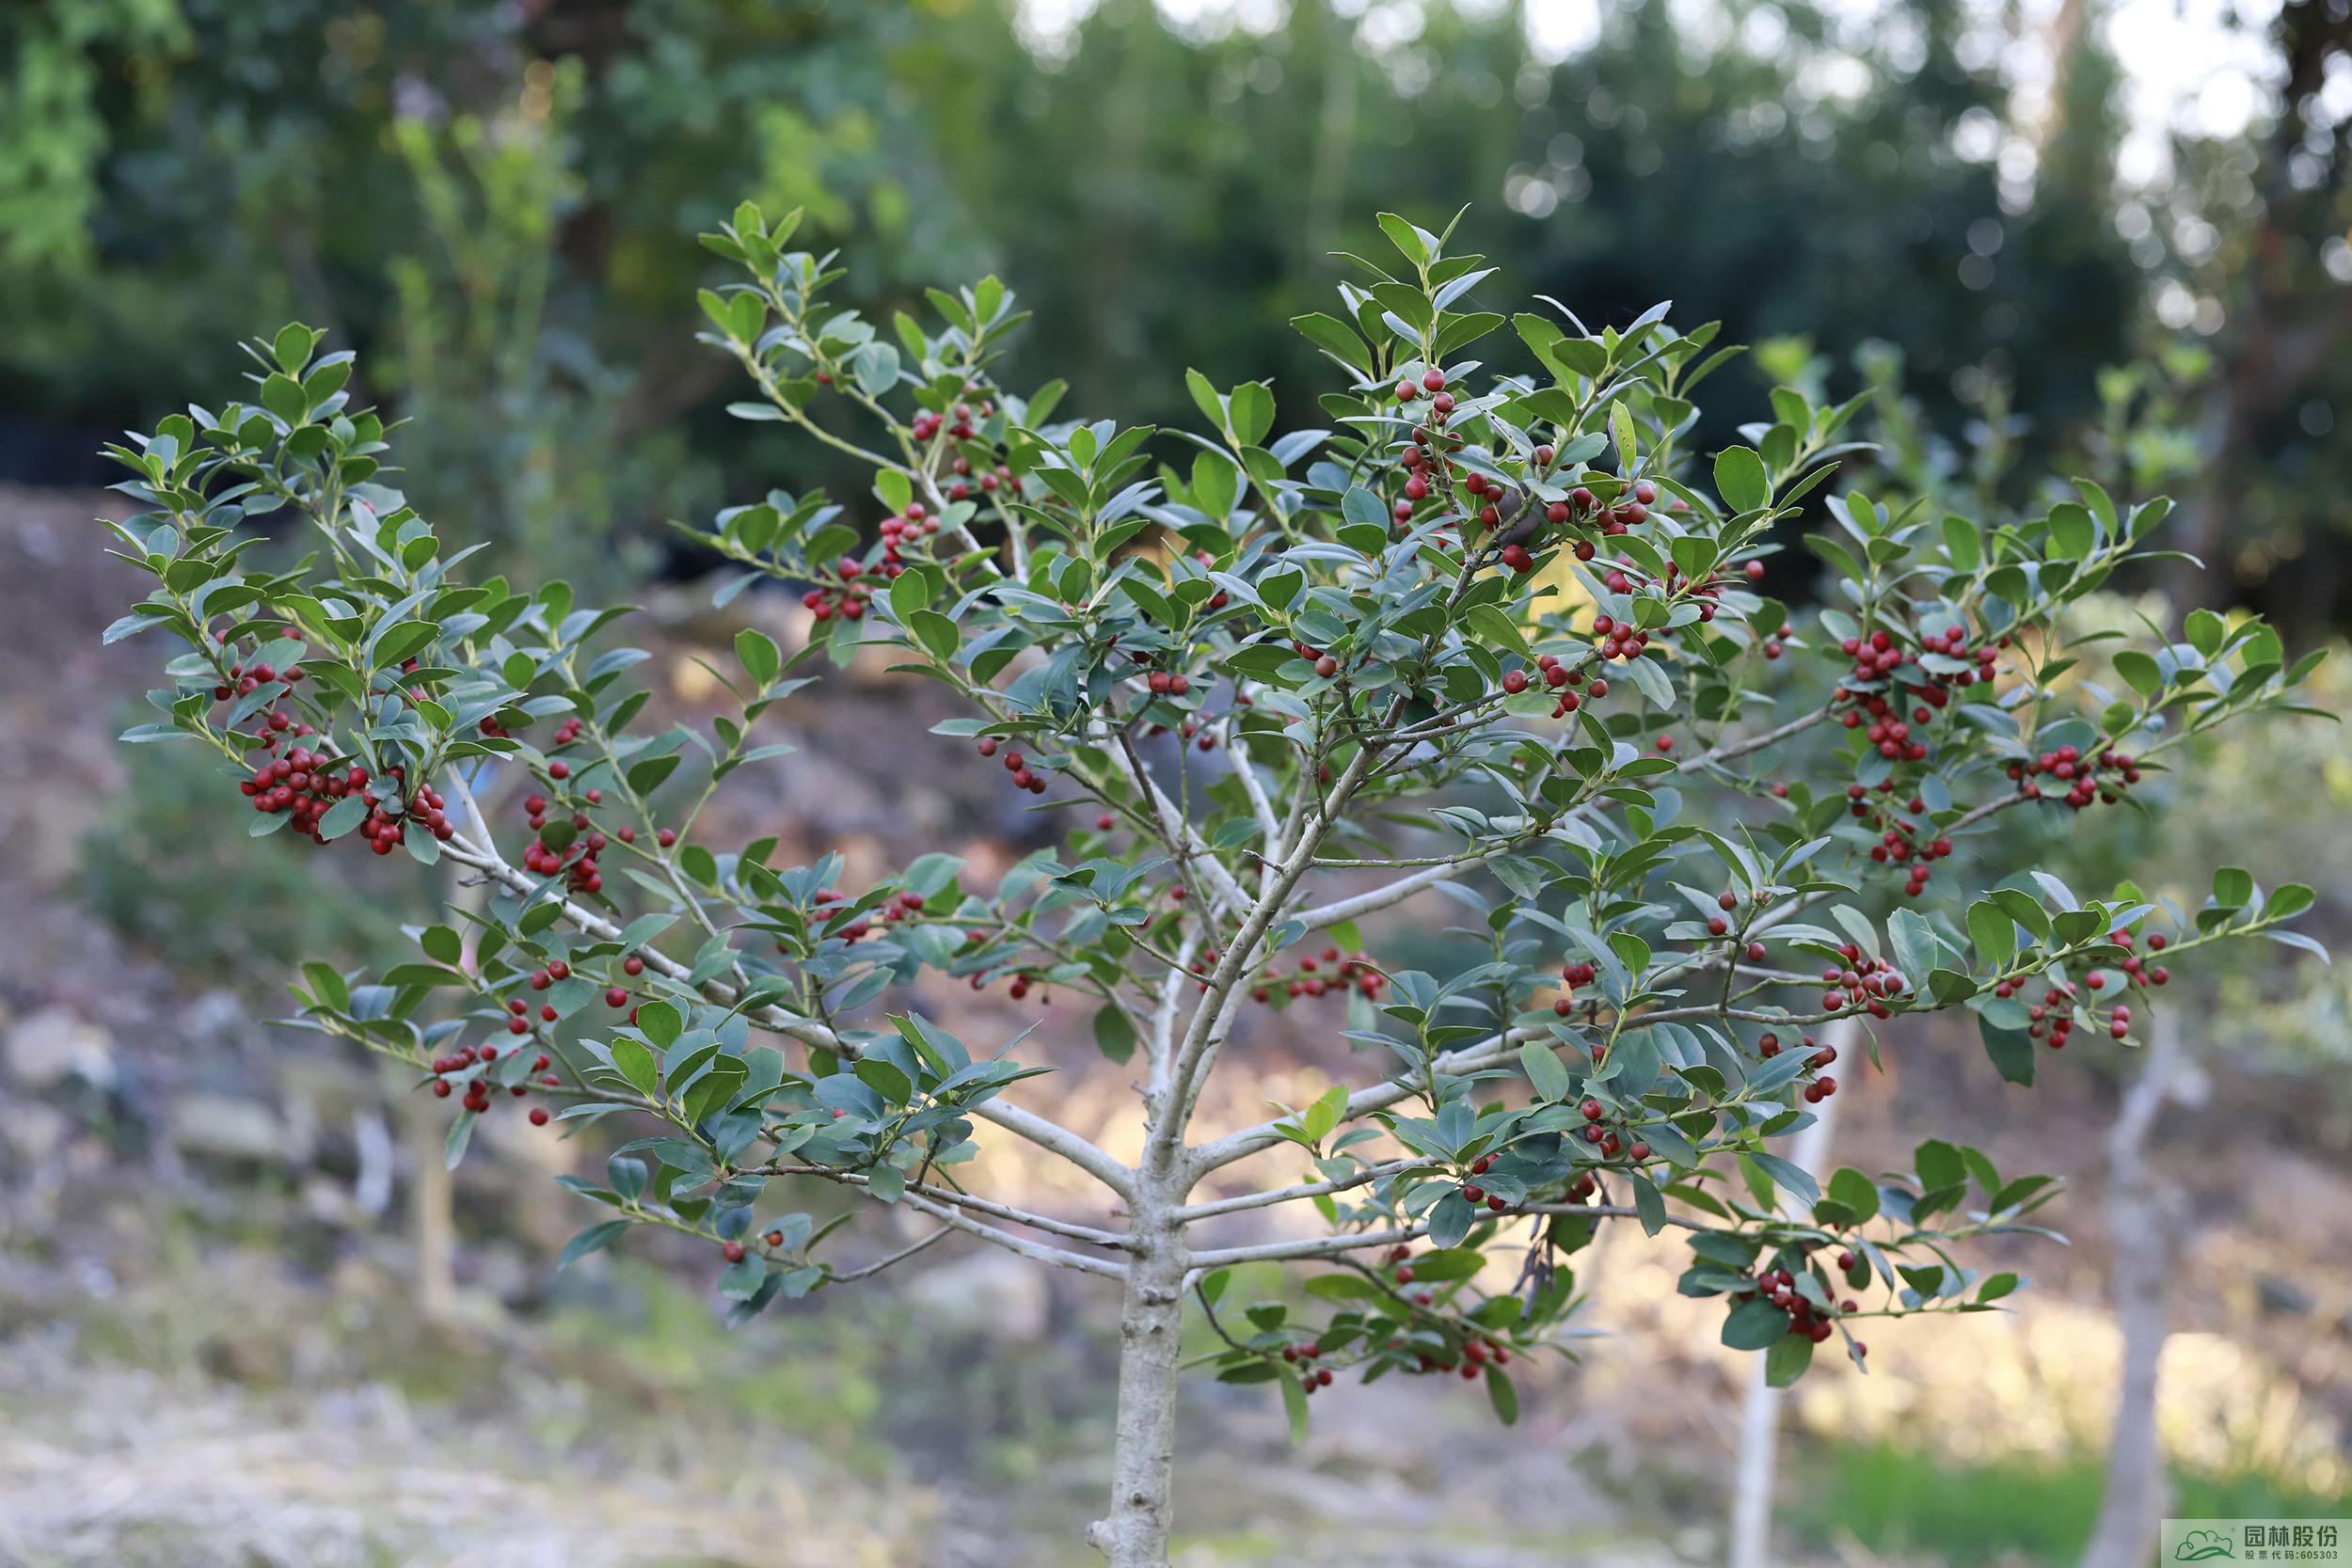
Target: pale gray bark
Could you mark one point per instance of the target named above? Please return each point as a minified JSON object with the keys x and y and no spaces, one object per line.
{"x":432,"y":1223}
{"x":1133,"y":1533}
{"x":2141,"y":1224}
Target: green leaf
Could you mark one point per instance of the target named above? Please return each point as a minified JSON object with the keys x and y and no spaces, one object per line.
{"x":1792,"y":1179}
{"x":1914,"y":942}
{"x":758,"y":654}
{"x":1337,"y":339}
{"x":1755,"y":1324}
{"x":1649,"y":1204}
{"x":2140,"y":670}
{"x":460,"y":1135}
{"x":644,"y":777}
{"x":937,"y":634}
{"x":1857,"y":1192}
{"x":2233,"y":887}
{"x":1787,"y":1360}
{"x":1412,"y":244}
{"x":1991,"y":931}
{"x":595,"y":1239}
{"x":2010,"y":1049}
{"x":885,"y":1079}
{"x":1114,"y":1034}
{"x":659,"y":1022}
{"x":1448,"y":1264}
{"x":292,"y":347}
{"x":1996,"y":1286}
{"x":2073,"y":532}
{"x":1361,"y":506}
{"x":910,"y":592}
{"x":1205,"y":397}
{"x":1544,"y":1071}
{"x":326,"y":987}
{"x":1939,"y":1165}
{"x":1294,"y":1405}
{"x":740,"y":1281}
{"x":1252,"y":408}
{"x":1324,"y":1114}
{"x":1742,"y":478}
{"x":282,"y":395}
{"x":636,"y":1061}
{"x":2287,"y":901}
{"x":344,"y":816}
{"x":1962,"y":543}
{"x":1502,"y":1395}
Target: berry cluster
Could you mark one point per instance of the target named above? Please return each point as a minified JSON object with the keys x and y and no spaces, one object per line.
{"x":1314,"y":1377}
{"x":2053,"y":1017}
{"x":1572,"y":974}
{"x":1779,"y":1287}
{"x":1565,"y":682}
{"x":1024,"y":776}
{"x":1473,"y":1193}
{"x":1875,"y":691}
{"x":1333,"y":973}
{"x":244,"y":680}
{"x":1612,"y":639}
{"x":1864,"y":982}
{"x":1768,"y":1045}
{"x":899,"y":906}
{"x":576,"y":859}
{"x":1608,"y":1139}
{"x":846,"y":599}
{"x":929,"y":421}
{"x":1475,"y":1353}
{"x":897,"y":532}
{"x":1901,"y":841}
{"x":2080,"y":774}
{"x":449,"y":1072}
{"x":988,"y":481}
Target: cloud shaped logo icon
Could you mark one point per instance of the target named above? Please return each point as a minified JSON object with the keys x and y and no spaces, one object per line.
{"x":2200,"y":1546}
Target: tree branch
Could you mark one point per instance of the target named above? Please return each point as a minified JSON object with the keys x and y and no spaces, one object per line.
{"x":1273,"y":1195}
{"x":1035,"y":1251}
{"x":484,"y":856}
{"x":1046,"y":1223}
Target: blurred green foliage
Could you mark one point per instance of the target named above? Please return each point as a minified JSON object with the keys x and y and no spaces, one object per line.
{"x":1912,"y":1506}
{"x":500,"y":193}
{"x":158,"y":869}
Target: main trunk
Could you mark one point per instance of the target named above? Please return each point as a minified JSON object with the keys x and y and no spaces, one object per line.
{"x":1133,"y":1533}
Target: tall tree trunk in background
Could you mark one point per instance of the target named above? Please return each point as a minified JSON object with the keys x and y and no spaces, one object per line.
{"x":2278,"y":334}
{"x":2141,"y":1224}
{"x":1759,"y":1415}
{"x":432,"y":1195}
{"x":431,"y":1217}
{"x":1335,"y":134}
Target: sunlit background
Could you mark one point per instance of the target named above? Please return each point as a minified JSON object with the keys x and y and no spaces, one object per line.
{"x":245,"y":1317}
